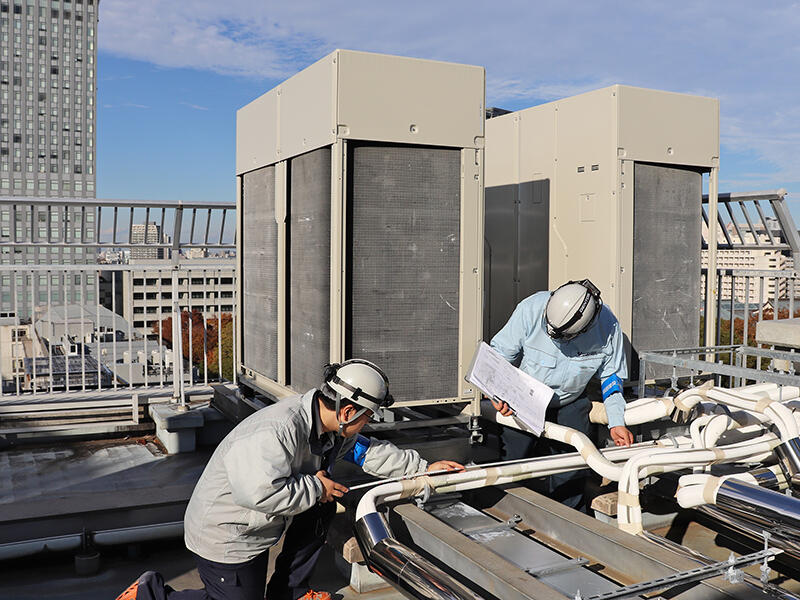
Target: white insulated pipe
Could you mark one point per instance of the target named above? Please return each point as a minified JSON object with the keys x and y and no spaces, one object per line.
{"x":514,"y":471}
{"x":629,"y":510}
{"x":768,"y":403}
{"x":699,"y":489}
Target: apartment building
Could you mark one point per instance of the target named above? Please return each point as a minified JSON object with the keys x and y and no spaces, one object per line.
{"x":148,"y":294}
{"x":752,"y":290}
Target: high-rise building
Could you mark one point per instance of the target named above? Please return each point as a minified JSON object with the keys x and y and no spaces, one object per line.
{"x":36,"y":233}
{"x":145,"y":234}
{"x":48,"y":73}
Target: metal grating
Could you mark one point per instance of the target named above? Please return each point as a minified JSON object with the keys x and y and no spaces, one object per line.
{"x":666,"y":267}
{"x":309,"y":267}
{"x":403,"y":265}
{"x":260,"y":272}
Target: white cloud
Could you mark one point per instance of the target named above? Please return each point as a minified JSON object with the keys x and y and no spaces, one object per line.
{"x":745,"y":53}
{"x":194,"y":106}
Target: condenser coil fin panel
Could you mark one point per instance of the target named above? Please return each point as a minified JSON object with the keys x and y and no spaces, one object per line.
{"x":403,"y":268}
{"x":666,"y":267}
{"x":260,"y":272}
{"x":309,"y":247}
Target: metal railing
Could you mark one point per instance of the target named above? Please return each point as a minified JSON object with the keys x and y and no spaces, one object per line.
{"x":728,"y":364}
{"x":757,"y":251}
{"x":747,"y":296}
{"x":87,"y":287}
{"x":754,"y":221}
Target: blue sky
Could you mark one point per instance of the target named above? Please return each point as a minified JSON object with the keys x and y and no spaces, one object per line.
{"x":172,"y":73}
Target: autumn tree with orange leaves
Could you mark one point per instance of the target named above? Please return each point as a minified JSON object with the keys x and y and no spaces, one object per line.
{"x":208,"y":338}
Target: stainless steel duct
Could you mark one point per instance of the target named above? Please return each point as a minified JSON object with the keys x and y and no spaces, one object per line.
{"x":409,"y":572}
{"x":788,"y":454}
{"x":751,"y":509}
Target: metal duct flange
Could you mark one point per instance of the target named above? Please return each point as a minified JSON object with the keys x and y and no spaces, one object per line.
{"x":766,"y":478}
{"x":788,"y":454}
{"x":409,"y":572}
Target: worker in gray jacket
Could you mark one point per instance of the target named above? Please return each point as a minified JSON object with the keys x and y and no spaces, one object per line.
{"x":272,"y":475}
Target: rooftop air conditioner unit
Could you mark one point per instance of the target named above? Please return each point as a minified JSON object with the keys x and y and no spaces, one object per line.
{"x":360,"y":233}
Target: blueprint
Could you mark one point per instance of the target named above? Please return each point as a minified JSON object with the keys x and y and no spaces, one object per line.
{"x":499,"y":379}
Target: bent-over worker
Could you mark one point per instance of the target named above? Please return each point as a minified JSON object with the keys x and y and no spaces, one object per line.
{"x":272,"y":475}
{"x":564,"y":339}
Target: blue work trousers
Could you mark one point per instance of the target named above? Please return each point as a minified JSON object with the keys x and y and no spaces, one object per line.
{"x":568,"y":488}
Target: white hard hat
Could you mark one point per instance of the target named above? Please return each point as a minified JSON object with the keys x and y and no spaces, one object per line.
{"x":571,"y":309}
{"x":360,"y":382}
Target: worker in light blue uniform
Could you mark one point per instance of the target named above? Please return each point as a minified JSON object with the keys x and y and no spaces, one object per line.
{"x":564,"y":339}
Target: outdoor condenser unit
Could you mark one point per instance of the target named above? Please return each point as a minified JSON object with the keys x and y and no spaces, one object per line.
{"x":360,"y":234}
{"x":605,"y":185}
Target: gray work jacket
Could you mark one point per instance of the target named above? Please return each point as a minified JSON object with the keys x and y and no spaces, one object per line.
{"x":263,"y":473}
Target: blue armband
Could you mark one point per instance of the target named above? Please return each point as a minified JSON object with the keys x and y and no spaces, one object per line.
{"x":611,"y":385}
{"x":358,"y":452}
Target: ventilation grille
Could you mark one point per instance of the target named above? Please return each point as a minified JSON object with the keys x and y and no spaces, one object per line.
{"x":309,"y":240}
{"x":260,"y":273}
{"x":403,"y":265}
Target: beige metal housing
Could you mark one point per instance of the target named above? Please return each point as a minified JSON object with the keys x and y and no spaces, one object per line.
{"x":345,"y":102}
{"x":586,"y":148}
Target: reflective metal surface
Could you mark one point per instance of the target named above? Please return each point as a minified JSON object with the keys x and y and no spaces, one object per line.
{"x":788,"y":455}
{"x":371,"y":529}
{"x":750,"y":510}
{"x":759,"y":505}
{"x":766,"y":478}
{"x":409,"y":572}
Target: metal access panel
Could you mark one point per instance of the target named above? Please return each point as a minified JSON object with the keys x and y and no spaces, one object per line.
{"x":601,"y":222}
{"x":666,"y":293}
{"x":515,"y":248}
{"x":378,"y":189}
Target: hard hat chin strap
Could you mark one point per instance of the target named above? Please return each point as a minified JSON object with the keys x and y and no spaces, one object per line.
{"x":343,"y":424}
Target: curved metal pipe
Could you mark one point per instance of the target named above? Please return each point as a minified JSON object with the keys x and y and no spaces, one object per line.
{"x":766,"y":478}
{"x":788,"y":454}
{"x":409,"y":572}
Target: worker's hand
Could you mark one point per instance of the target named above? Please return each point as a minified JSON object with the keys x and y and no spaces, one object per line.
{"x":445,"y":465}
{"x":330,"y":489}
{"x":621,"y":436}
{"x":502,"y":407}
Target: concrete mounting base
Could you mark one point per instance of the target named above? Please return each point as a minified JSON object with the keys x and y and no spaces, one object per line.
{"x":175,"y":428}
{"x":215,"y":427}
{"x":363,"y":580}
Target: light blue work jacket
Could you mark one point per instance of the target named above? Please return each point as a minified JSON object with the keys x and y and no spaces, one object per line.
{"x":565,"y":366}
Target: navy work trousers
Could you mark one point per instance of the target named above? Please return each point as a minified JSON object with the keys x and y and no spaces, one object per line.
{"x":568,"y":488}
{"x":302,"y":545}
